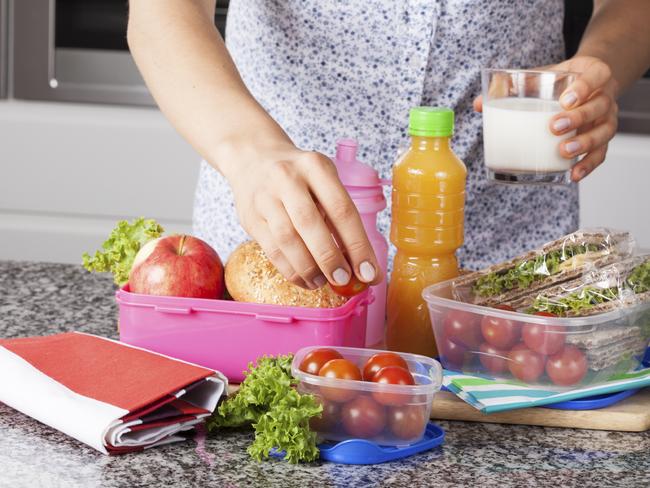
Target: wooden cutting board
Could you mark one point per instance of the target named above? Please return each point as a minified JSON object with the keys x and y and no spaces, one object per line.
{"x":629,"y":415}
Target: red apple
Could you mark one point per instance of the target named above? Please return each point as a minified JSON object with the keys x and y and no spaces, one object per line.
{"x":178,"y":265}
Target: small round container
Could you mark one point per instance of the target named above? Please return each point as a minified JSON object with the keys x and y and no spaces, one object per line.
{"x":388,"y":415}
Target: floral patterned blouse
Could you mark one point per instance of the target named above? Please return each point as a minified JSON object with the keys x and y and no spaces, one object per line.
{"x":331,"y":69}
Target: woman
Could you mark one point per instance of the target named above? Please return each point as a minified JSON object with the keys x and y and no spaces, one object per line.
{"x":297,"y":75}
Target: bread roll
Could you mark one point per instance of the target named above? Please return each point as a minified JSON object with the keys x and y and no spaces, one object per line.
{"x":250,"y":277}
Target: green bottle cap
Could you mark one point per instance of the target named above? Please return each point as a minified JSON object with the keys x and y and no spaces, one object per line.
{"x":431,"y":121}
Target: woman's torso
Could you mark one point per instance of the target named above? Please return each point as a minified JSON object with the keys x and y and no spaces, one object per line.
{"x":325,"y":70}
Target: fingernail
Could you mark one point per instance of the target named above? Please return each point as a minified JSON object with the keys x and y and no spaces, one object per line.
{"x":569,"y":98}
{"x":320,"y":281}
{"x":572,"y":147}
{"x":580,"y":173}
{"x":561,"y":124}
{"x":367,"y":271}
{"x":341,"y":277}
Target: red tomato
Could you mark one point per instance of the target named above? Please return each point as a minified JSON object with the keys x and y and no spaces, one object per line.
{"x":524,"y":364}
{"x":354,"y":287}
{"x":500,"y":333}
{"x":314,"y":360}
{"x":328,"y":419}
{"x":363,"y":417}
{"x":408,"y":422}
{"x":567,"y":367}
{"x":392,"y":375}
{"x":544,"y":339}
{"x":379,"y":360}
{"x":462,"y":328}
{"x":452,"y":355}
{"x":341,"y":369}
{"x":493,"y":359}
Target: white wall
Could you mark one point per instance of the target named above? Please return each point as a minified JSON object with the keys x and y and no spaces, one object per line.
{"x":68,"y":172}
{"x":617,"y":194}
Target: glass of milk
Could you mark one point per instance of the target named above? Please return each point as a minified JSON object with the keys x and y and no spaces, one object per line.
{"x":517,"y":109}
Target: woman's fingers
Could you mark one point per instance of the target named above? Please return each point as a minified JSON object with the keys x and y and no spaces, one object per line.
{"x":587,"y":164}
{"x":343,"y":216}
{"x":592,"y":138}
{"x":478,"y":104}
{"x":288,"y":240}
{"x":310,"y":225}
{"x":594,"y":77}
{"x":595,"y":108}
{"x":268,"y":244}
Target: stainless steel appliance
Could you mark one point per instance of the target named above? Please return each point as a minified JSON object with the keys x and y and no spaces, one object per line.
{"x":76,"y":50}
{"x":4,"y":48}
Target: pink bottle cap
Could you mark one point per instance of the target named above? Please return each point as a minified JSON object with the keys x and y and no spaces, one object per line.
{"x":353,"y":173}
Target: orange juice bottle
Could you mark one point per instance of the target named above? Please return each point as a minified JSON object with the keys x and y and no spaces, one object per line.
{"x":428,"y":204}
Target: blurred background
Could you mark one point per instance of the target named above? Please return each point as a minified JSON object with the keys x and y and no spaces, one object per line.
{"x":82,"y":144}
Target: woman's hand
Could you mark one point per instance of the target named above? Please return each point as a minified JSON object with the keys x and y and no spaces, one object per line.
{"x":590,"y":107}
{"x":293,"y":203}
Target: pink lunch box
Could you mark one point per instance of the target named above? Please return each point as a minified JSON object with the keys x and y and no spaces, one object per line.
{"x":226,"y":335}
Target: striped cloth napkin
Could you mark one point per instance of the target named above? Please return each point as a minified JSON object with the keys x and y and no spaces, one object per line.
{"x":490,"y":395}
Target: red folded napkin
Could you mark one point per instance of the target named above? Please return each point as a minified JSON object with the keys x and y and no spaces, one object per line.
{"x":114,"y":397}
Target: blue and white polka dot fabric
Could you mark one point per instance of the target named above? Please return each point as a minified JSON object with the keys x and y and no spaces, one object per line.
{"x":329,"y":69}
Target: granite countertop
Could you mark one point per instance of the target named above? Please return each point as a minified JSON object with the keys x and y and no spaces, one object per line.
{"x":39,"y":298}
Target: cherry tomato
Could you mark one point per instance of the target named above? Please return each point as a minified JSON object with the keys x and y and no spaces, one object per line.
{"x":452,"y":355}
{"x":328,"y":419}
{"x":408,"y":421}
{"x":494,"y":360}
{"x":524,"y":364}
{"x":314,"y":360}
{"x":544,"y":339}
{"x":500,"y":333}
{"x":354,"y":287}
{"x":567,"y":367}
{"x":462,"y":328}
{"x":392,"y":375}
{"x":379,"y":360}
{"x":363,"y":417}
{"x":341,"y":369}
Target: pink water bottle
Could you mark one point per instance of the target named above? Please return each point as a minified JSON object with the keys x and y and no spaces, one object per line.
{"x":364,"y":186}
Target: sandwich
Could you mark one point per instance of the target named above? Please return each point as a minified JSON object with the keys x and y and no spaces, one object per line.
{"x":556,"y":262}
{"x":620,"y":284}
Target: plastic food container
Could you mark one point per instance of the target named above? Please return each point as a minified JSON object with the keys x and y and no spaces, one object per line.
{"x":567,"y":352}
{"x":388,"y":415}
{"x":226,"y":335}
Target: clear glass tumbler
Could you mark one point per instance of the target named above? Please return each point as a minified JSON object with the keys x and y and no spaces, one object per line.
{"x":517,"y":109}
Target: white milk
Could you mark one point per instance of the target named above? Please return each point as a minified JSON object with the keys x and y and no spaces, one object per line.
{"x":517,"y":137}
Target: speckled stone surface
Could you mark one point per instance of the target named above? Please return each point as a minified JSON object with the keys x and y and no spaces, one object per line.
{"x":37,"y":298}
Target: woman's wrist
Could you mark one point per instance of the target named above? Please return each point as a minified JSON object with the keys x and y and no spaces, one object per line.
{"x":235,"y":153}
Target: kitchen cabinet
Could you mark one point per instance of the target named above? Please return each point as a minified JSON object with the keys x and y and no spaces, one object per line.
{"x":68,"y":172}
{"x":617,"y":193}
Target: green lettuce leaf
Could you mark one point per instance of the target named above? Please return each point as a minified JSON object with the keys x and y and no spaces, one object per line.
{"x":119,"y":250}
{"x":575,"y":302}
{"x":525,"y":272}
{"x":639,"y":279}
{"x":268,"y":401}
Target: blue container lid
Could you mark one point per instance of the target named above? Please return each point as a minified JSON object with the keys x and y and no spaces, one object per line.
{"x":593,"y":402}
{"x":361,"y":451}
